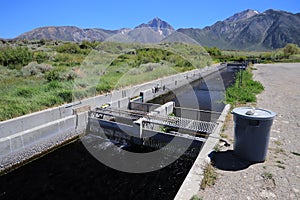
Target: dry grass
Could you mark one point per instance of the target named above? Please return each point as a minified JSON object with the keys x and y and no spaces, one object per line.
{"x":210,"y":176}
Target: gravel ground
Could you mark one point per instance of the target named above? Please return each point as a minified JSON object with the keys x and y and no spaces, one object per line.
{"x":279,"y":176}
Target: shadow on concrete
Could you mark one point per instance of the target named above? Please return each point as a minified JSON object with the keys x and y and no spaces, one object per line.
{"x":226,"y":160}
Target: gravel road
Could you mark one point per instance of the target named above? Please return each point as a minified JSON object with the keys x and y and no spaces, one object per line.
{"x":279,"y":176}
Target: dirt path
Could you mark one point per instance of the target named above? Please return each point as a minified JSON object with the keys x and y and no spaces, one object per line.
{"x":279,"y":176}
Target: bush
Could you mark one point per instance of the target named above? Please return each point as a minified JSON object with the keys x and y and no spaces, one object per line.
{"x":40,"y":57}
{"x":59,"y":74}
{"x":88,"y":45}
{"x":291,"y":49}
{"x":15,"y":58}
{"x":213,"y":51}
{"x":66,"y":95}
{"x":68,"y":48}
{"x":34,"y":68}
{"x":25,"y":92}
{"x":53,"y":85}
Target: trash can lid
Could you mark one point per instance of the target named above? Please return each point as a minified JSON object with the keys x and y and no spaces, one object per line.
{"x":253,"y":113}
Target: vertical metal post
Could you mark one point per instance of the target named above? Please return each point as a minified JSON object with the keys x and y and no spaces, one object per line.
{"x":141,"y":128}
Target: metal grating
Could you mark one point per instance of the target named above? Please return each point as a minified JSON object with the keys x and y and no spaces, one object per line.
{"x":171,"y":121}
{"x":182,"y":123}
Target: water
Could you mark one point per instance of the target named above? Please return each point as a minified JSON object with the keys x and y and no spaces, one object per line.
{"x":207,"y":94}
{"x":72,"y":173}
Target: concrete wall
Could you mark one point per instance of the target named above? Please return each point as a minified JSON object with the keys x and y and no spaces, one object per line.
{"x":17,"y":133}
{"x":26,"y":122}
{"x":23,"y":139}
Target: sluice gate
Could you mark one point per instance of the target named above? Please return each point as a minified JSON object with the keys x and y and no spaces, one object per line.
{"x":154,"y":129}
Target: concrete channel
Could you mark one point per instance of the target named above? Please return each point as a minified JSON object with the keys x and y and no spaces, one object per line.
{"x":30,"y":136}
{"x":191,"y":184}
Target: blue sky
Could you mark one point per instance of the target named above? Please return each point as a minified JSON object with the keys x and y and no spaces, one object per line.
{"x":20,"y":16}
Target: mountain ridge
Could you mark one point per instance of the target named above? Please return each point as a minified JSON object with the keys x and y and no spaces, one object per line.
{"x":269,"y":30}
{"x":246,"y":30}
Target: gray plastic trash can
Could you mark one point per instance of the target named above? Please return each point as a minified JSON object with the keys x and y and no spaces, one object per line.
{"x":252,"y":132}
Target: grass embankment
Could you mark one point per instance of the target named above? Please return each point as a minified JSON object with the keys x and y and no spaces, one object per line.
{"x":40,"y":74}
{"x":244,"y":90}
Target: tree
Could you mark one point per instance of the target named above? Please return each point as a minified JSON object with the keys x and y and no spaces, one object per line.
{"x":291,"y":49}
{"x":213,"y":51}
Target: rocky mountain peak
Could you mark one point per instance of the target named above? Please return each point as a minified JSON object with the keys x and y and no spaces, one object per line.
{"x":158,"y":25}
{"x":242,"y":15}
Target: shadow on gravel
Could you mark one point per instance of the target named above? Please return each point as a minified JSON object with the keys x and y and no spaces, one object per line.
{"x":226,"y":160}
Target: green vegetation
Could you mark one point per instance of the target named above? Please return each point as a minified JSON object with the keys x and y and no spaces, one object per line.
{"x":290,"y":53}
{"x":278,"y":143}
{"x":39,"y":74}
{"x":267,"y":175}
{"x":217,"y":148}
{"x":223,"y":135}
{"x":15,"y":57}
{"x":244,"y":90}
{"x":209,"y":176}
{"x":195,"y":197}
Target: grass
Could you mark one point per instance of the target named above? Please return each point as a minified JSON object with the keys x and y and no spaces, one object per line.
{"x":216,"y":148}
{"x":267,"y":175}
{"x":244,"y":90}
{"x":223,"y":135}
{"x":278,"y":143}
{"x":280,"y":150}
{"x":63,"y":72}
{"x":209,"y":176}
{"x":195,"y":197}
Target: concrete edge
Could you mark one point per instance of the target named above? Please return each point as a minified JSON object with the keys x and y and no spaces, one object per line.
{"x":191,"y":184}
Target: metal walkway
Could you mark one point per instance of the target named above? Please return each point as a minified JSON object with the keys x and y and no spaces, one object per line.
{"x":181,"y":123}
{"x":148,"y":118}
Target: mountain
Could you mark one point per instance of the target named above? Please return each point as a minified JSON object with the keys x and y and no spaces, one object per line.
{"x":152,"y":32}
{"x":242,"y":15}
{"x":250,"y":30}
{"x":247,"y":30}
{"x":179,"y":37}
{"x":158,"y":25}
{"x":68,"y":33}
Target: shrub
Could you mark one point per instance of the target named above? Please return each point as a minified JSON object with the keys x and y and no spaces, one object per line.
{"x":104,"y":86}
{"x":53,"y":85}
{"x":53,"y":75}
{"x":59,"y":74}
{"x":68,"y":48}
{"x":40,"y":57}
{"x":16,"y":57}
{"x":291,"y":49}
{"x":34,"y":68}
{"x":25,"y":92}
{"x":66,"y":95}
